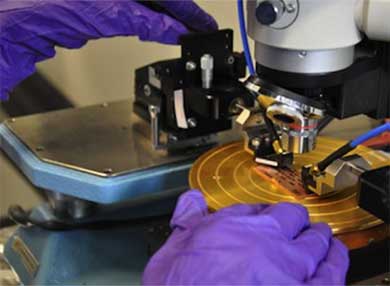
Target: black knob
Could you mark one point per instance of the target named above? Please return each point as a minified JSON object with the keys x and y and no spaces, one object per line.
{"x":267,"y":12}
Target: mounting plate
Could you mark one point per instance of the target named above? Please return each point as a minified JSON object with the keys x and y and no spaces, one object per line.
{"x":98,"y":153}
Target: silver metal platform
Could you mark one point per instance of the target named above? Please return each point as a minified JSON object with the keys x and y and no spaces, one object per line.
{"x":103,"y":140}
{"x":100,"y":153}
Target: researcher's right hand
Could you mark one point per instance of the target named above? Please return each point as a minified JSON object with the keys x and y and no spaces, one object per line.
{"x":246,"y":245}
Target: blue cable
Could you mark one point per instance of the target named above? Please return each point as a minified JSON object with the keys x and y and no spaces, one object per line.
{"x":370,"y":134}
{"x":244,"y":37}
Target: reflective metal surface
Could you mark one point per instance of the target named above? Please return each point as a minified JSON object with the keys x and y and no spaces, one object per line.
{"x":226,"y":176}
{"x":298,"y":142}
{"x":345,"y":172}
{"x":304,"y":61}
{"x":298,"y":123}
{"x":103,"y":140}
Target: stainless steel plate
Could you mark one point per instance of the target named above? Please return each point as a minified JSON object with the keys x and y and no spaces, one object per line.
{"x":104,"y":140}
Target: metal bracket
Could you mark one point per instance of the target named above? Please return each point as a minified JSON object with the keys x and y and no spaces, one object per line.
{"x":154,"y":127}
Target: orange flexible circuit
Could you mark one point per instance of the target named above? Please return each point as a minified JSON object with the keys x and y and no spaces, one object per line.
{"x":289,"y":181}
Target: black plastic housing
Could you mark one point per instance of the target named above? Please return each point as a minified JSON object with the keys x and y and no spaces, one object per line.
{"x":211,"y":108}
{"x":362,"y":88}
{"x":375,"y":192}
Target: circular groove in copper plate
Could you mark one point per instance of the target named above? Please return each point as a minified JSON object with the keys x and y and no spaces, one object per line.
{"x":225,"y":176}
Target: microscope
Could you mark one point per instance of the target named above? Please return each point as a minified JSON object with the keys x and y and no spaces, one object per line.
{"x":112,"y":172}
{"x":317,"y":60}
{"x":334,"y":55}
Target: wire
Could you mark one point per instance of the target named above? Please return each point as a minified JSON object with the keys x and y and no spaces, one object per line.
{"x":334,"y":156}
{"x":244,"y":37}
{"x":370,"y":134}
{"x":352,"y":145}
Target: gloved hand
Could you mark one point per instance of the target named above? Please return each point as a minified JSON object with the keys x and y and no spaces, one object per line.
{"x":29,"y":30}
{"x":245,"y":245}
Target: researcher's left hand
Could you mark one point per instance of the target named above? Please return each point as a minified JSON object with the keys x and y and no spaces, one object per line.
{"x":30,"y":29}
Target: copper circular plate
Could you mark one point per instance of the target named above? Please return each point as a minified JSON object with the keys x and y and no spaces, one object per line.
{"x":225,"y":175}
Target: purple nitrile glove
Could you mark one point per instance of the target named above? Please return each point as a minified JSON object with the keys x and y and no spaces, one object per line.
{"x":30,"y":30}
{"x":245,"y":245}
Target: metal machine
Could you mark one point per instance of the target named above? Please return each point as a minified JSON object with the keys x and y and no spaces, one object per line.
{"x":112,"y":172}
{"x":333,"y":62}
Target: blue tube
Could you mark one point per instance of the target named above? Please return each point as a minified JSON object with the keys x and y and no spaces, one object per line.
{"x":244,"y":37}
{"x":370,"y":134}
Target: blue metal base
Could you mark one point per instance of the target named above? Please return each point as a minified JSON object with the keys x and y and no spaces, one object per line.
{"x":110,"y":256}
{"x":161,"y":179}
{"x":81,"y":257}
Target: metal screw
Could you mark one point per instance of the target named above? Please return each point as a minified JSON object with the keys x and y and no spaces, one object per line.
{"x":230,"y":60}
{"x":290,"y":8}
{"x":302,"y":54}
{"x":40,"y":149}
{"x":147,"y":90}
{"x":192,"y":122}
{"x":255,"y":142}
{"x":13,"y":119}
{"x":172,"y":137}
{"x":104,"y":104}
{"x":190,"y":66}
{"x":153,"y":110}
{"x":209,"y":97}
{"x":108,"y":171}
{"x":237,"y":105}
